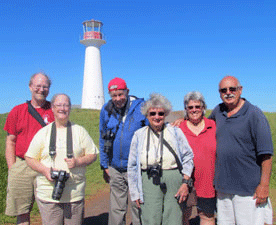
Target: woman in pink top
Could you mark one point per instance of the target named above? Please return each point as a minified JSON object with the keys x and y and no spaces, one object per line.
{"x":201,"y":135}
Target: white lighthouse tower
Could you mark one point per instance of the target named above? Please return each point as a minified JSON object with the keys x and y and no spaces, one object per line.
{"x":92,"y":92}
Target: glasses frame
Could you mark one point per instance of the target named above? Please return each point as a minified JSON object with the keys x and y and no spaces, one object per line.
{"x":38,"y":87}
{"x":154,"y":113}
{"x":231,"y":89}
{"x":62,"y":106}
{"x":194,"y":107}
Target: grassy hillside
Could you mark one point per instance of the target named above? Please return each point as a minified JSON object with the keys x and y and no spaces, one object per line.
{"x":90,"y":120}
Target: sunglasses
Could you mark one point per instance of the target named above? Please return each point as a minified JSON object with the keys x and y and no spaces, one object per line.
{"x":231,"y":89}
{"x":194,"y":106}
{"x":159,"y":113}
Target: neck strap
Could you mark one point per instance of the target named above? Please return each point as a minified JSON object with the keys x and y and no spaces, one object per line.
{"x":52,"y":147}
{"x":35,"y":114}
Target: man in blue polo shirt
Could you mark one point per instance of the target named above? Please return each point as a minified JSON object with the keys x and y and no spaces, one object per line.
{"x":244,"y":158}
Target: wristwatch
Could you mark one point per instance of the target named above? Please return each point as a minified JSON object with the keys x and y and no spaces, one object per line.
{"x":189,"y":182}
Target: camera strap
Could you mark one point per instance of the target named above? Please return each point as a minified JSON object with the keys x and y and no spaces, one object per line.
{"x":52,"y":147}
{"x":161,"y":146}
{"x":35,"y":114}
{"x":179,"y":165}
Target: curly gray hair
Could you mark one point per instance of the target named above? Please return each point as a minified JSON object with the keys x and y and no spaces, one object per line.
{"x":156,"y":101}
{"x":194,"y":96}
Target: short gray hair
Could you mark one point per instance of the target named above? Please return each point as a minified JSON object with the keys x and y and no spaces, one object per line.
{"x":42,"y":73}
{"x":156,"y":101}
{"x":56,"y":95}
{"x":194,"y":96}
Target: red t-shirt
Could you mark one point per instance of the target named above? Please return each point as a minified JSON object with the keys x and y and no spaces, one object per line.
{"x":24,"y":126}
{"x":204,"y":149}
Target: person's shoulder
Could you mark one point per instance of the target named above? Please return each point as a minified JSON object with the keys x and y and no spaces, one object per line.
{"x":77,"y":127}
{"x":19,"y":108}
{"x":220,"y":108}
{"x":210,"y":122}
{"x":141,"y":130}
{"x":173,"y":128}
{"x":135,"y":100}
{"x":105,"y":106}
{"x":252,"y":107}
{"x":136,"y":105}
{"x":254,"y":110}
{"x":44,"y":130}
{"x":106,"y":109}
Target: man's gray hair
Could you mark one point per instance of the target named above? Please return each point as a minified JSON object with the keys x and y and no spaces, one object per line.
{"x":156,"y":101}
{"x":56,"y":95}
{"x":194,"y":96}
{"x":42,"y":73}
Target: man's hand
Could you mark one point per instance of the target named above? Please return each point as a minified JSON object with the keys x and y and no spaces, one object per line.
{"x":106,"y":176}
{"x":262,"y":191}
{"x":261,"y":194}
{"x":10,"y":150}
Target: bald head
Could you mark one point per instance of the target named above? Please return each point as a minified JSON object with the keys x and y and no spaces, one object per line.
{"x":231,"y":79}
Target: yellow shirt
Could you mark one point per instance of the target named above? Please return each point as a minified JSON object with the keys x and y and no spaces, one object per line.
{"x":83,"y":144}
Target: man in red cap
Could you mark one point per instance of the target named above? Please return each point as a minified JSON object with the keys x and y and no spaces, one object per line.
{"x":119,"y":119}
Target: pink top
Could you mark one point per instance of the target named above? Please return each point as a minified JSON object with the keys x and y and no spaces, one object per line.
{"x":204,"y":149}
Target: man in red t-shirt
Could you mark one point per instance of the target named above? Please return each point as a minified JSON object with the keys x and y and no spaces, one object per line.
{"x":21,"y":126}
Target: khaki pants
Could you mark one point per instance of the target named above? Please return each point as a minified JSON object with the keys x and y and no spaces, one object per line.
{"x":119,"y":199}
{"x":71,"y":213}
{"x":20,"y":188}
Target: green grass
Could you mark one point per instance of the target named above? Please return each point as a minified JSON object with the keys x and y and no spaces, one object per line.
{"x":272,"y":122}
{"x":90,"y":120}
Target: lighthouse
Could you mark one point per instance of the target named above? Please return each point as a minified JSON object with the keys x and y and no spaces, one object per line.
{"x":92,"y":91}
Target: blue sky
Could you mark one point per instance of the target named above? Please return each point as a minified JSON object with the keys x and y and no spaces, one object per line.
{"x":168,"y":47}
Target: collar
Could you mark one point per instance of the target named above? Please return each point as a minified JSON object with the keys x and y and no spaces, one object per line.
{"x":209,"y":124}
{"x":242,"y":110}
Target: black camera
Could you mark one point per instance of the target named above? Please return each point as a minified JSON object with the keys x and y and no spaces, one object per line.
{"x":61,"y":177}
{"x":108,"y":141}
{"x":154,"y":172}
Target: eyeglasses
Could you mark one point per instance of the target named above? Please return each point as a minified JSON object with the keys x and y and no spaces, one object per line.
{"x":61,"y":106}
{"x":38,"y":87}
{"x":194,"y":106}
{"x":231,"y":89}
{"x":159,"y":113}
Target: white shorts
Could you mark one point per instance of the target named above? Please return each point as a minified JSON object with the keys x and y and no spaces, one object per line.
{"x":242,"y":210}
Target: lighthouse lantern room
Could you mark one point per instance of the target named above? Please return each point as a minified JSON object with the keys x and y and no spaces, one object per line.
{"x":92,"y":92}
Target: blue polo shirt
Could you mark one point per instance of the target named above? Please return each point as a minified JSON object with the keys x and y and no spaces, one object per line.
{"x":241,"y":138}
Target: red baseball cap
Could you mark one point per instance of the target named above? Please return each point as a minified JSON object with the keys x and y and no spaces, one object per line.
{"x":117,"y":84}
